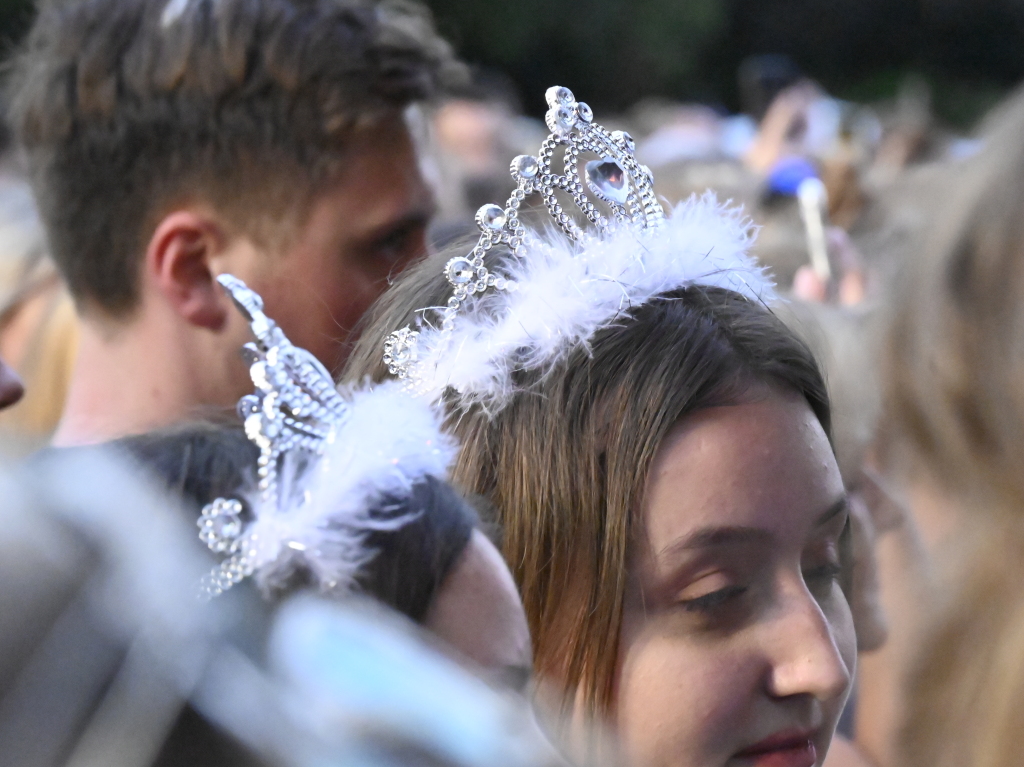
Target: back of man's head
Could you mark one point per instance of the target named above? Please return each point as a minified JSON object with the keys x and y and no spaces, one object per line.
{"x":129,"y":108}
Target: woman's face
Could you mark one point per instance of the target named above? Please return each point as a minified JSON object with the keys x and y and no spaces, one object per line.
{"x":737,"y":644}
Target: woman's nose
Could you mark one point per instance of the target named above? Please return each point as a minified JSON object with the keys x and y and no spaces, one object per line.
{"x":10,"y":386}
{"x":805,"y":657}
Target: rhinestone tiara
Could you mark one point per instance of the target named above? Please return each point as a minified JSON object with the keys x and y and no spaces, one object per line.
{"x":615,"y":178}
{"x":326,"y":459}
{"x":296,"y":405}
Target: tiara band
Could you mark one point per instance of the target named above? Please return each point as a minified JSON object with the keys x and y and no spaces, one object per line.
{"x":616,"y":179}
{"x":325,"y":459}
{"x":557,"y":287}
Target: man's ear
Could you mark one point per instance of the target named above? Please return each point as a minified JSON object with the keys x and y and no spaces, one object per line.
{"x":178,"y":262}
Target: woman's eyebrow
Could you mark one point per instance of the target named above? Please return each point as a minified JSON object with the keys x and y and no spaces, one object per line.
{"x":712,"y":537}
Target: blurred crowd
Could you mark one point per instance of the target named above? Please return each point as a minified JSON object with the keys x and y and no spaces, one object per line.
{"x":895,"y":242}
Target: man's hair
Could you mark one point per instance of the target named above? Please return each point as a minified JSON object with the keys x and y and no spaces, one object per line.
{"x":125,"y":107}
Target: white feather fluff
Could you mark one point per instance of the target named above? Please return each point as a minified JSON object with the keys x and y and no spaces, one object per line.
{"x":567,"y":291}
{"x":389,"y":442}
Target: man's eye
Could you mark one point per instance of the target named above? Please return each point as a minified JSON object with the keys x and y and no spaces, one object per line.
{"x":823,"y":576}
{"x":398,"y":244}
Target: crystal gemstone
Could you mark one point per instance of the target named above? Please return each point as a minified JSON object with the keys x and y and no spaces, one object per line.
{"x":624,"y":140}
{"x":558,"y":94}
{"x":526,"y":166}
{"x":490,"y":217}
{"x":227,"y":525}
{"x":459,"y":271}
{"x":608,"y":179}
{"x":585,"y":112}
{"x":402,"y":347}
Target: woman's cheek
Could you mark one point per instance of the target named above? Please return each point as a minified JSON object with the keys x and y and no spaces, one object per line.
{"x":678,"y":704}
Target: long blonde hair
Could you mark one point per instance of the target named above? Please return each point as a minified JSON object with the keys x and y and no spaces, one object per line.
{"x":954,"y":422}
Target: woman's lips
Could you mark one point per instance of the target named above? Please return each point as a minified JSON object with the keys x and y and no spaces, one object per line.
{"x":786,"y":749}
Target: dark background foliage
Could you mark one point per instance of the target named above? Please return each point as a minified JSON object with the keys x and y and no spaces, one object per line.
{"x":613,"y":52}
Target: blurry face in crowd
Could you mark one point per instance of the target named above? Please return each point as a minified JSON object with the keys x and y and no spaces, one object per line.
{"x":367,"y":227}
{"x":478,"y":612}
{"x":10,"y":386}
{"x":737,"y":645}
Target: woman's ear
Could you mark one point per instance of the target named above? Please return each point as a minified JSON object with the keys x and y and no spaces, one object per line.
{"x":178,"y":265}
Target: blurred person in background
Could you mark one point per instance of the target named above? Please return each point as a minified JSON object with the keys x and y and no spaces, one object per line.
{"x":475,"y":130}
{"x":953,"y":434}
{"x":267,"y":138}
{"x":38,"y":326}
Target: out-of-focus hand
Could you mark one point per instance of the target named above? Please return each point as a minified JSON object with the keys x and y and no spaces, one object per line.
{"x":848,"y":286}
{"x":782,"y":130}
{"x":808,"y":286}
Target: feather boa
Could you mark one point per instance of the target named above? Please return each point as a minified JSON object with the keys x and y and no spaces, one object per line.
{"x":388,"y":443}
{"x":568,"y":291}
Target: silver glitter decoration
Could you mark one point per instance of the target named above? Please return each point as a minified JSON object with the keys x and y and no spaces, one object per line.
{"x":296,"y":408}
{"x":525,"y":166}
{"x":490,"y":218}
{"x":607,"y":180}
{"x":615,"y":179}
{"x":221,"y":524}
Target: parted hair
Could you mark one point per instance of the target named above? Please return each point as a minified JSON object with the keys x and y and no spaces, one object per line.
{"x":126,"y":107}
{"x":566,"y":463}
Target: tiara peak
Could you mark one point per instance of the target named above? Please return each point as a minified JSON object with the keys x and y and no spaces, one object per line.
{"x":554,"y":288}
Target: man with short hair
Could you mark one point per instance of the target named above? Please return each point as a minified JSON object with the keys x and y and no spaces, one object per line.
{"x":170,"y":141}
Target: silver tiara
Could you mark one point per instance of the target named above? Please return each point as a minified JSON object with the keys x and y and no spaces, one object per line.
{"x":615,"y":178}
{"x":325,"y":459}
{"x":295,"y":408}
{"x":296,"y":405}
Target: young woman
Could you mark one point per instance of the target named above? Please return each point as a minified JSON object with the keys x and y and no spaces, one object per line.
{"x":671,"y":505}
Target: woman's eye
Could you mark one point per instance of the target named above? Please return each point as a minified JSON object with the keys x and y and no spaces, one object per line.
{"x":708,"y":602}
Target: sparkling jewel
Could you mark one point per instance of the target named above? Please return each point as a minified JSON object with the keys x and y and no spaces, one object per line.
{"x":608,"y":179}
{"x":560,"y":120}
{"x":258,"y":374}
{"x":489,"y":218}
{"x":558,"y":95}
{"x":248,"y":405}
{"x":459,"y":271}
{"x":585,"y":112}
{"x":400,"y":347}
{"x":227,"y":526}
{"x":221,"y":523}
{"x":624,"y":140}
{"x":525,"y":166}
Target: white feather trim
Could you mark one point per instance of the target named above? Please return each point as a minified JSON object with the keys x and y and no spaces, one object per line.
{"x":567,"y":291}
{"x":389,"y":442}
